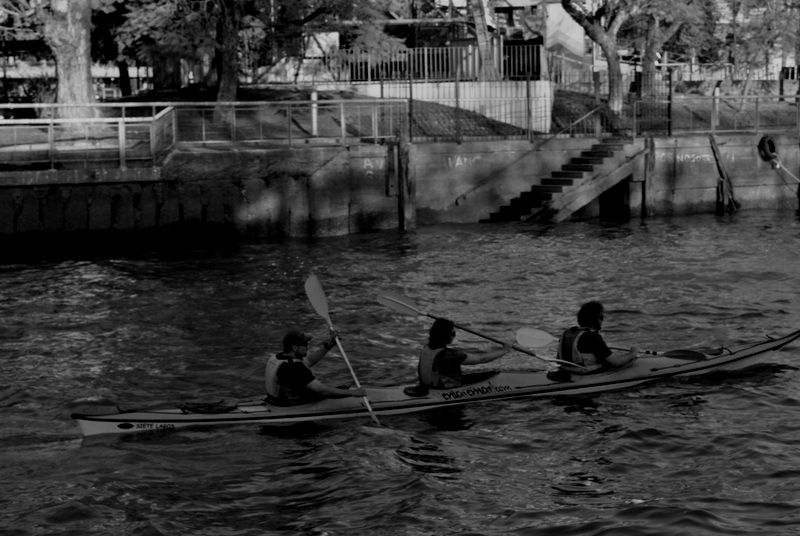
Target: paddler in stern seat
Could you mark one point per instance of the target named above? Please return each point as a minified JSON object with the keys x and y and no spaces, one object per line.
{"x":440,"y":366}
{"x":288,"y":377}
{"x":584,"y":346}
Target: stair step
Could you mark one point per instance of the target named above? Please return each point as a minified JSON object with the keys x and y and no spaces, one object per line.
{"x":540,"y":196}
{"x":608,"y":147}
{"x":588,"y":168}
{"x":597,"y":154}
{"x":567,"y":175}
{"x":586,"y":160}
{"x":546,"y":188}
{"x":557,"y":181}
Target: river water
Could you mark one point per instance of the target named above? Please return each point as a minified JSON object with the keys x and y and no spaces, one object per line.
{"x":153,"y":327}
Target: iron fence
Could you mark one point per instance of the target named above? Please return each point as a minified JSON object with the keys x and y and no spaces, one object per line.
{"x":688,"y":114}
{"x":136,"y":135}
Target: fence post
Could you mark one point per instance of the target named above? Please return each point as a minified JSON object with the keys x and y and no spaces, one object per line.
{"x":458,"y":108}
{"x":671,"y":95}
{"x":289,"y":121}
{"x":153,"y":142}
{"x":342,"y":121}
{"x":314,"y":97}
{"x":410,"y":107}
{"x":714,"y":109}
{"x":51,"y":140}
{"x":528,"y":110}
{"x":596,"y":80}
{"x":375,"y":123}
{"x":121,"y":141}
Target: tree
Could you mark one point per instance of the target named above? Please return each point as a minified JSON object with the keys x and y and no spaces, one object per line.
{"x":66,"y":28}
{"x":488,"y":71}
{"x":602,"y":24}
{"x":658,"y":22}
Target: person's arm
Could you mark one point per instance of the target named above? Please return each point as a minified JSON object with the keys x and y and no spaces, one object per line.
{"x":621,"y":358}
{"x":476,"y":358}
{"x":316,"y":354}
{"x":597,"y":346}
{"x":334,"y":392}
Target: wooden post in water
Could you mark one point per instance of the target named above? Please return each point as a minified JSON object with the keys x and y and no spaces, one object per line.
{"x":724,"y":185}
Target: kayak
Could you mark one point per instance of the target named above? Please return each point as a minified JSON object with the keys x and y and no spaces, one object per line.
{"x":409,"y":398}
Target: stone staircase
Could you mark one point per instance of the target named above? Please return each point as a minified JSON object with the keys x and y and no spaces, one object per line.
{"x":538,"y":200}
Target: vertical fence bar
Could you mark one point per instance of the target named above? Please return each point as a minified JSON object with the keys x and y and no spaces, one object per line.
{"x":528,"y":109}
{"x":758,"y":116}
{"x":122,"y":142}
{"x":289,"y":121}
{"x":458,"y":109}
{"x":342,"y":120}
{"x":154,"y":141}
{"x":375,"y":123}
{"x":233,"y":122}
{"x":410,"y":108}
{"x":51,"y":140}
{"x":671,"y":95}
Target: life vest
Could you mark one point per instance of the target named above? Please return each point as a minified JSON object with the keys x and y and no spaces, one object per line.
{"x":271,"y":377}
{"x":568,"y":351}
{"x":280,"y":394}
{"x":436,"y":372}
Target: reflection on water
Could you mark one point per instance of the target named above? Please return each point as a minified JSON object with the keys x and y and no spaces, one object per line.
{"x":154,"y":327}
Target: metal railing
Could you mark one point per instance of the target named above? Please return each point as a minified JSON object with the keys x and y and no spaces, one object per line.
{"x":138,"y":135}
{"x":119,"y":139}
{"x":702,"y":114}
{"x":426,"y":64}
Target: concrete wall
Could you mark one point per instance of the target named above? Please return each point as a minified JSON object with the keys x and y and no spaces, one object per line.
{"x":321,"y":191}
{"x":452,"y":183}
{"x":327,"y":191}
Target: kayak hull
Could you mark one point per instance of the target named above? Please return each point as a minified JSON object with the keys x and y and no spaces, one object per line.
{"x":397,"y":400}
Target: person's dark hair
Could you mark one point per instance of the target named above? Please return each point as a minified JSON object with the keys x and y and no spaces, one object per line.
{"x":440,"y":332}
{"x":590,"y":314}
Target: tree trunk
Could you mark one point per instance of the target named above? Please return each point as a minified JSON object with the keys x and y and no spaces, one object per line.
{"x":615,"y":89}
{"x":488,"y":71}
{"x":67,"y":32}
{"x":166,"y":72}
{"x":228,"y":56}
{"x":124,"y":79}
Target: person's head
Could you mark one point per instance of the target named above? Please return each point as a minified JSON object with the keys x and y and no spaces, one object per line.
{"x":591,"y":315}
{"x":295,"y":340}
{"x":441,"y":333}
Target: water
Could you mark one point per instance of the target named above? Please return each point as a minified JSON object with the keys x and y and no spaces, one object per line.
{"x":714,"y":455}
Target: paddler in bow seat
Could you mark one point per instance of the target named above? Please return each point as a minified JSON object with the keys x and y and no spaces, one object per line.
{"x":584,"y":346}
{"x":289,"y":379}
{"x":440,"y":366}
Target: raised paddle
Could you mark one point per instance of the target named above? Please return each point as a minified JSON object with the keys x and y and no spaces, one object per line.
{"x":320,"y":303}
{"x":536,"y":337}
{"x":401,"y":304}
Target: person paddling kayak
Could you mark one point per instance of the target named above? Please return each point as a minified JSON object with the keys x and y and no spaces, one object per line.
{"x":288,"y":377}
{"x":440,"y":366}
{"x":584,"y":346}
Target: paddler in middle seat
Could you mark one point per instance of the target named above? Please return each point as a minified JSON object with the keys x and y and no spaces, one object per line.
{"x":583,"y":344}
{"x":440,"y":366}
{"x":288,"y":377}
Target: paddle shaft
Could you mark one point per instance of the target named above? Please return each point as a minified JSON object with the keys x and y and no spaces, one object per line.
{"x":651,"y":352}
{"x":320,"y":303}
{"x":404,"y":305}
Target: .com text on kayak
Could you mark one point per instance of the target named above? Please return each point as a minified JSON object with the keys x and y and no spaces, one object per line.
{"x":475,"y":391}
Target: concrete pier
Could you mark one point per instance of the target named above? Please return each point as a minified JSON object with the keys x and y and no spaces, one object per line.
{"x":304,"y":191}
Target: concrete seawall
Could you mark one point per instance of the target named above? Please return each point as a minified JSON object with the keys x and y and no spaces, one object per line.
{"x":328,"y":191}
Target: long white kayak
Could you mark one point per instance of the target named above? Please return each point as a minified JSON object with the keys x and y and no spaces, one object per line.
{"x":410,"y":398}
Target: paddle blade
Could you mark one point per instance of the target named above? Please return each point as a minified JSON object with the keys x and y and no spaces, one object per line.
{"x":317,"y":297}
{"x":534,"y":338}
{"x":399,"y":303}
